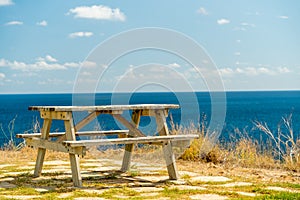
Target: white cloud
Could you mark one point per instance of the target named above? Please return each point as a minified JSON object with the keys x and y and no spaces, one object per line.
{"x":241,"y":63}
{"x":283,"y":70}
{"x":50,"y":58}
{"x":223,"y":21}
{"x":39,"y":65}
{"x":253,"y":71}
{"x":175,"y":65}
{"x":42,"y":23}
{"x":98,"y":12}
{"x":226,"y":71}
{"x":72,"y":64}
{"x":47,"y":58}
{"x":80,"y":34}
{"x":6,"y":2}
{"x":248,"y":24}
{"x":237,"y":53}
{"x":89,"y":64}
{"x":11,"y":23}
{"x":2,"y":76}
{"x":202,"y":11}
{"x":3,"y":63}
{"x":244,"y":26}
{"x":283,"y":17}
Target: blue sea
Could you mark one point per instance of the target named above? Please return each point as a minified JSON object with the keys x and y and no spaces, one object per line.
{"x":242,"y":109}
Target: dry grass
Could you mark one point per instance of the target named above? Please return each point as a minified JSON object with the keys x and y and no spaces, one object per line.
{"x":245,"y":152}
{"x":282,"y":150}
{"x":26,"y":154}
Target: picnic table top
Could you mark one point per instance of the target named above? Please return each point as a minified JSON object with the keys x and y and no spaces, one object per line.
{"x":105,"y":107}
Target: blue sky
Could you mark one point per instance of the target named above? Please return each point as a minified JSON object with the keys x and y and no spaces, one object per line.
{"x":254,"y":44}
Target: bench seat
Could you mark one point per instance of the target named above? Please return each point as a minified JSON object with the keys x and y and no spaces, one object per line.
{"x":82,"y":133}
{"x":137,"y":140}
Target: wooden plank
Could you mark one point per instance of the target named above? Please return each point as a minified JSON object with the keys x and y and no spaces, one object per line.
{"x":136,"y":140}
{"x":163,"y":130}
{"x":38,"y":135}
{"x":60,"y":115}
{"x":136,"y":117}
{"x":55,"y":146}
{"x":106,"y":107}
{"x":132,"y":127}
{"x":110,"y":132}
{"x":86,"y":120}
{"x":41,"y":151}
{"x":74,"y":160}
{"x":82,"y":133}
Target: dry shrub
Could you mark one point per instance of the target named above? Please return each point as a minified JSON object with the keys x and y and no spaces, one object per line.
{"x":292,"y":160}
{"x":200,"y":149}
{"x":193,"y":152}
{"x":286,"y":145}
{"x":245,"y":153}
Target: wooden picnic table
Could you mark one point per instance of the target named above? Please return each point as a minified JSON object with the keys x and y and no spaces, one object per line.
{"x":68,"y":143}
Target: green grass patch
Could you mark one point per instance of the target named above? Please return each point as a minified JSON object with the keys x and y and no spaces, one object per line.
{"x":280,"y":196}
{"x":79,"y":193}
{"x":134,"y":173}
{"x":175,"y":193}
{"x":186,"y":177}
{"x":54,"y":196}
{"x":119,"y":191}
{"x":286,"y":185}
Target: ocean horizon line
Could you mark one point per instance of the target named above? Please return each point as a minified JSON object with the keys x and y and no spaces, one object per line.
{"x":156,"y":92}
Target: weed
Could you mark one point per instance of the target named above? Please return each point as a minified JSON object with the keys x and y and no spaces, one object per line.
{"x":134,"y":173}
{"x":287,"y":146}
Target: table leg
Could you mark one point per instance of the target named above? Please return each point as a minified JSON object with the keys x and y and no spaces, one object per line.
{"x":42,"y":151}
{"x":136,"y":116}
{"x":74,"y":159}
{"x":162,"y":129}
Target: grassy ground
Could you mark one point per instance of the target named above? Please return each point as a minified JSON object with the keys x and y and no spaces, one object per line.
{"x":145,"y":180}
{"x":243,"y":169}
